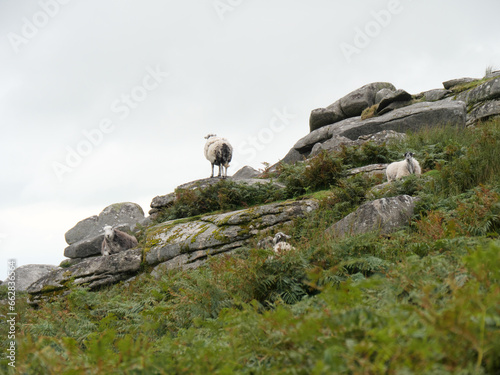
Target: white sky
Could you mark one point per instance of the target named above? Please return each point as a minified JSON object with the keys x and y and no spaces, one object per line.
{"x":219,"y":66}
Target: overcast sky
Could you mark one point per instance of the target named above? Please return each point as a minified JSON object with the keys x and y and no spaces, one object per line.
{"x":108,"y":101}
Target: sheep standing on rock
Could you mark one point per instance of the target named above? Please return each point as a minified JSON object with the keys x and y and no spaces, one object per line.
{"x":399,"y":169}
{"x":218,"y":151}
{"x":115,"y":241}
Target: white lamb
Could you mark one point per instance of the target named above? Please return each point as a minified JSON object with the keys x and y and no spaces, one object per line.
{"x":115,"y":241}
{"x":218,"y":151}
{"x":399,"y":169}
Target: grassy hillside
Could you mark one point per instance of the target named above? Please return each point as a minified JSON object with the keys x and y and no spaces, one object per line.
{"x":423,"y":300}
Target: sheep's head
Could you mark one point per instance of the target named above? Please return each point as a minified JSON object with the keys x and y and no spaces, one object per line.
{"x":408,"y":155}
{"x":280,"y":237}
{"x":210,"y":135}
{"x":109,"y":233}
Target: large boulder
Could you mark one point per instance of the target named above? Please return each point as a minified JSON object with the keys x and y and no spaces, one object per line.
{"x":483,"y":111}
{"x":93,"y":272}
{"x":384,"y":215}
{"x":245,"y":173}
{"x":393,"y":97}
{"x":410,"y":118}
{"x":488,"y":90}
{"x":116,"y":214}
{"x":350,"y":105}
{"x":182,"y":243}
{"x":458,"y":81}
{"x":29,"y":273}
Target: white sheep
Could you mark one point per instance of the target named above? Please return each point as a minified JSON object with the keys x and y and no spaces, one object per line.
{"x":280,"y":244}
{"x":115,"y":241}
{"x":218,"y":151}
{"x":399,"y":169}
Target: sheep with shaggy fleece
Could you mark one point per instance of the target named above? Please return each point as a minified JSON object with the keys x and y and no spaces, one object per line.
{"x":218,"y":151}
{"x":280,"y":243}
{"x":403,"y":168}
{"x":115,"y":241}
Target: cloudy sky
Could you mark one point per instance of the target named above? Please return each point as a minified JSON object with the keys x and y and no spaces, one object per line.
{"x":108,"y":101}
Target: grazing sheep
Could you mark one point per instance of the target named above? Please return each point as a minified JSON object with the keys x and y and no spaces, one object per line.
{"x":218,"y":151}
{"x":115,"y":241}
{"x":280,"y":244}
{"x":399,"y":169}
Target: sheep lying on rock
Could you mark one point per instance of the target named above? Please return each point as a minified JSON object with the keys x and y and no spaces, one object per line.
{"x":280,"y":244}
{"x":115,"y":241}
{"x":218,"y":151}
{"x":399,"y":169}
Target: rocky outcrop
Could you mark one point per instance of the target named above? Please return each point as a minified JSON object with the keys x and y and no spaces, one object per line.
{"x":398,"y":96}
{"x":335,"y":143}
{"x":458,"y":81}
{"x":350,"y":105}
{"x":182,"y":243}
{"x":245,"y":173}
{"x":164,"y":201}
{"x":483,"y":111}
{"x":85,"y":238}
{"x":29,"y":273}
{"x":410,"y":118}
{"x":92,"y":272}
{"x":384,"y":215}
{"x":488,"y":90}
{"x":369,"y":170}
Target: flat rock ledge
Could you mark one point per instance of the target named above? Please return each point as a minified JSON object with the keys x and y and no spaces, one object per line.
{"x":92,"y":272}
{"x":184,"y":243}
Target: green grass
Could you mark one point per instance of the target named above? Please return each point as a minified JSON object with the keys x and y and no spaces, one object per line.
{"x":423,"y":300}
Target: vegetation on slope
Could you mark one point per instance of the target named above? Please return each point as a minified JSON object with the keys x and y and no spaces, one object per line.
{"x":423,"y":300}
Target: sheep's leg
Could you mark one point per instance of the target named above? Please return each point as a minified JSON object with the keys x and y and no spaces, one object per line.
{"x":212,"y":175}
{"x":219,"y":170}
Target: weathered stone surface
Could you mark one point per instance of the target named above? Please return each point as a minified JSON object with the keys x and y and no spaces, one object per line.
{"x":350,"y":105}
{"x":381,"y":94}
{"x":435,"y":95}
{"x":163,"y":200}
{"x":495,"y":73}
{"x":395,"y":96}
{"x":355,"y":102}
{"x":213,"y":234}
{"x":90,"y":246}
{"x":384,"y":215}
{"x":326,"y":116}
{"x":29,"y":273}
{"x":483,"y":111}
{"x":486,"y":91}
{"x":393,"y":106}
{"x":401,"y":120}
{"x":245,"y":173}
{"x":370,"y":170}
{"x":292,"y":157}
{"x":333,"y":144}
{"x":116,"y":214}
{"x":458,"y":81}
{"x":336,"y":142}
{"x":92,"y":272}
